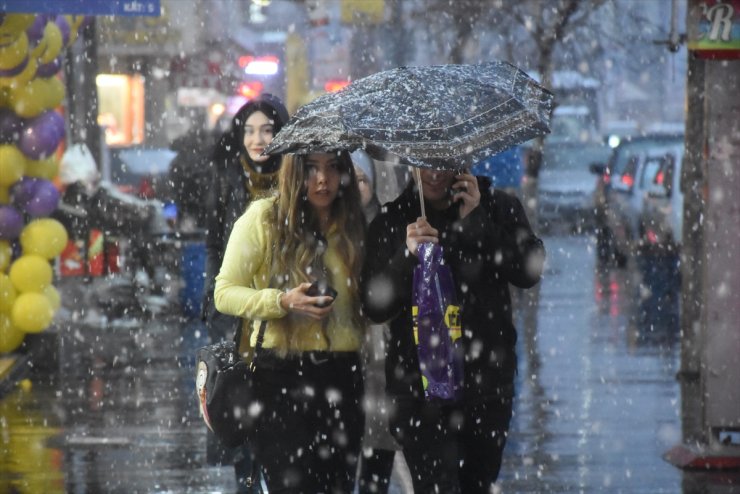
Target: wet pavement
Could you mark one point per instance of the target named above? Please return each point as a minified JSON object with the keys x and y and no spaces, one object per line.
{"x":598,"y":401}
{"x":597,"y":404}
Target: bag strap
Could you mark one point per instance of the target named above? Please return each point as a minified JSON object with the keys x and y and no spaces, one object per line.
{"x":260,"y":335}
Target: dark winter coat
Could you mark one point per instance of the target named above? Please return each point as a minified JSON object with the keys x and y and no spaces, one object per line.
{"x":486,"y":251}
{"x":190,"y":174}
{"x":227,"y":199}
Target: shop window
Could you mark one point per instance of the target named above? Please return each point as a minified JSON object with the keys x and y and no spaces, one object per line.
{"x":121,"y":108}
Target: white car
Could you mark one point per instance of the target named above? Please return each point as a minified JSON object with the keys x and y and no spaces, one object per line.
{"x":630,"y":182}
{"x":661,"y":222}
{"x":566,"y":184}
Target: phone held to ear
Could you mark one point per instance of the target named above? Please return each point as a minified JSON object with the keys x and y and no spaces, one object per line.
{"x":452,"y":190}
{"x":321,"y":289}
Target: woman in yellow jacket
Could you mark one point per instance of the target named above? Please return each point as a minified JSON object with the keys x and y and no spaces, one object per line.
{"x":308,"y":379}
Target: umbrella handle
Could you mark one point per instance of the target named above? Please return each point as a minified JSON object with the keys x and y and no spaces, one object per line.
{"x":417,"y":172}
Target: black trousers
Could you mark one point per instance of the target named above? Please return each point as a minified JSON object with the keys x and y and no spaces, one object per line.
{"x":308,"y":434}
{"x":375,"y":471}
{"x":453,"y":449}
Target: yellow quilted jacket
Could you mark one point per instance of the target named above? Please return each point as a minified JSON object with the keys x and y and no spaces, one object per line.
{"x":242,"y":289}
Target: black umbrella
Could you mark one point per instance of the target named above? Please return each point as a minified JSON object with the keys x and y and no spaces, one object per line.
{"x":441,"y":116}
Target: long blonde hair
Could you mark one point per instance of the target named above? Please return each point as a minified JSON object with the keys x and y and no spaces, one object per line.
{"x":299,"y":244}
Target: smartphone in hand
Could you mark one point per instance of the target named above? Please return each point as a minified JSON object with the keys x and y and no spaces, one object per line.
{"x":453,"y":190}
{"x":321,"y":289}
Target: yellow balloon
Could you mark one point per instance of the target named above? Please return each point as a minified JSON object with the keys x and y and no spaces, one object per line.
{"x":30,"y":273}
{"x":16,"y":23}
{"x":54,"y":43}
{"x":19,"y":80}
{"x":32,"y":312}
{"x":11,"y":55}
{"x":55,"y":299}
{"x":74,"y":21}
{"x":25,"y":385}
{"x":10,"y":337}
{"x":4,"y":194}
{"x":47,"y":168}
{"x":12,"y":164}
{"x":44,"y":237}
{"x":7,"y":294}
{"x":54,"y":92}
{"x":29,"y":100}
{"x":6,"y":252}
{"x":40,"y":47}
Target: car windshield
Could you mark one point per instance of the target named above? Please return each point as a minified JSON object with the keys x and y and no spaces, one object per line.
{"x":650,"y":171}
{"x":127,"y":164}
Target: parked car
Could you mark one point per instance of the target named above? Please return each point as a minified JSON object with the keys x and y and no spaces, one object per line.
{"x":661,"y":221}
{"x":138,"y":170}
{"x":621,"y":189}
{"x":565,"y":189}
{"x":566,"y":185}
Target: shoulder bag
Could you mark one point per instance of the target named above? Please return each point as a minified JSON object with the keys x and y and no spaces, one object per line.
{"x":223,"y":386}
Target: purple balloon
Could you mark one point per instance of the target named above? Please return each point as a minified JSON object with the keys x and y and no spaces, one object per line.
{"x":86,"y":22}
{"x":55,"y":120}
{"x":49,"y":69}
{"x":36,"y":31}
{"x":10,"y":126}
{"x":11,"y":223}
{"x":23,"y":191}
{"x":44,"y":201}
{"x":63,"y":26}
{"x":42,"y":134}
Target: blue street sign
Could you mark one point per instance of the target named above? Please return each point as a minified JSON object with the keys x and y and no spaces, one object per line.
{"x":83,"y":7}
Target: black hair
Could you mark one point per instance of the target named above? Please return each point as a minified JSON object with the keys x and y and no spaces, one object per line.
{"x":231,"y":143}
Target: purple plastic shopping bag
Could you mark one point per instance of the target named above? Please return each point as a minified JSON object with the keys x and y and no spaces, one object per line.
{"x":437,"y":328}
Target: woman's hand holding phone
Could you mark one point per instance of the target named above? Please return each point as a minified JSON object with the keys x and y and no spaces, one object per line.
{"x":299,"y":300}
{"x":465,"y":191}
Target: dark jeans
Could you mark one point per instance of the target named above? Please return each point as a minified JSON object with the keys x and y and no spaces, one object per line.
{"x":375,"y":471}
{"x":454,"y":449}
{"x":309,"y":430}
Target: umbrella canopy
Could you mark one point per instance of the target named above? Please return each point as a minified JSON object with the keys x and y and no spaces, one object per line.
{"x":440,"y":116}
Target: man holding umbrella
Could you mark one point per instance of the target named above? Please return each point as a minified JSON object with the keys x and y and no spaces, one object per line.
{"x":453,"y":446}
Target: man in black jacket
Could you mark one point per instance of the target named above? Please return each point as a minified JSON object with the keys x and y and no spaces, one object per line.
{"x":488,"y":243}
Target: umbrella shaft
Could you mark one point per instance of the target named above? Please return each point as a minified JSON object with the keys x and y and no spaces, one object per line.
{"x":421,"y":191}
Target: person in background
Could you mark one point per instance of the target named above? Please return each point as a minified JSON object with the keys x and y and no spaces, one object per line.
{"x":365,"y":170}
{"x":307,"y":370}
{"x":452,"y":446}
{"x":190,"y":175}
{"x":240,"y":175}
{"x":379,"y":447}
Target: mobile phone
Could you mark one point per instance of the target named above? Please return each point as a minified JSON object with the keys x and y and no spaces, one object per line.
{"x":452,"y":191}
{"x":321,"y":289}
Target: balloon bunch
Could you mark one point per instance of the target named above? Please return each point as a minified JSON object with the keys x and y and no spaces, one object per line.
{"x":31,"y":52}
